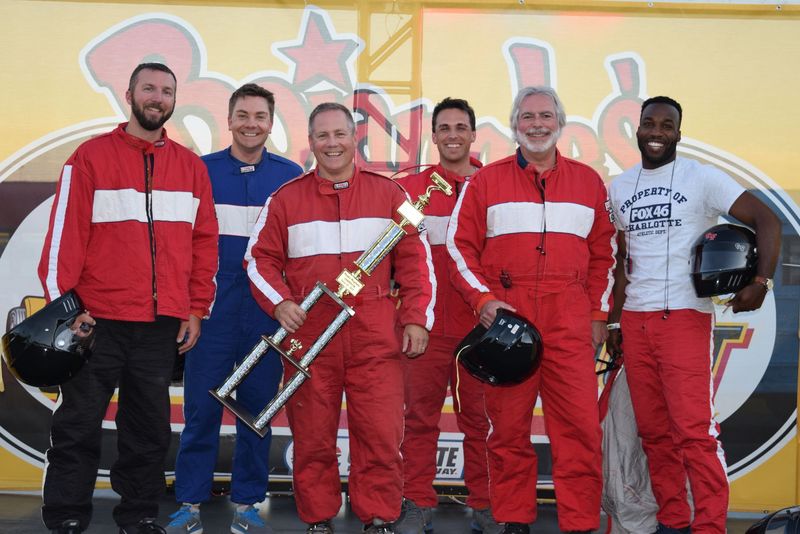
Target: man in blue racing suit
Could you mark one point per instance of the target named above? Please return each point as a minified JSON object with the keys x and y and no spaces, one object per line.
{"x":243,"y":176}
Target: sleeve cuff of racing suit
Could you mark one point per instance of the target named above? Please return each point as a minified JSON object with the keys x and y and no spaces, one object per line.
{"x":486,"y":297}
{"x":598,"y":315}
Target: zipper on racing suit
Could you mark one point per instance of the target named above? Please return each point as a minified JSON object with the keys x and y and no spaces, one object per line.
{"x":541,"y":184}
{"x":149,"y":162}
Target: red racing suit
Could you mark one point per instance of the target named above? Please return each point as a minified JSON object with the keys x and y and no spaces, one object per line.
{"x":543,"y":243}
{"x":310,"y":230}
{"x":427,"y":377}
{"x":150,"y":203}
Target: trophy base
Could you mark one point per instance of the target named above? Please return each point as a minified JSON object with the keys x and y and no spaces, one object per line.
{"x":241,"y":412}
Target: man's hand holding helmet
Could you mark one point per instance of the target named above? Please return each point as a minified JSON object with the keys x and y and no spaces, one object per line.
{"x":489,"y":311}
{"x":750,"y":297}
{"x":82,"y":325}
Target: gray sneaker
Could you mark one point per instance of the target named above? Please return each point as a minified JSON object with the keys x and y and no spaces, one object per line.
{"x":414,"y":519}
{"x":248,"y":522}
{"x":483,"y":521}
{"x":379,"y":527}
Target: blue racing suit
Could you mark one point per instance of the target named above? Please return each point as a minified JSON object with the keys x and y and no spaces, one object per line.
{"x":233,"y":328}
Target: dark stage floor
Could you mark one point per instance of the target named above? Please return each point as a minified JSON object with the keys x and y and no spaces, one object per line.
{"x":19,"y":514}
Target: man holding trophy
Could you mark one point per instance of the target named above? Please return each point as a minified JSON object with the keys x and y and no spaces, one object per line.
{"x":309,"y":231}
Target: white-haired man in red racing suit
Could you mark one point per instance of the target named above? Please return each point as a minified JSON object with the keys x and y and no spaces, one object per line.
{"x":532,"y":233}
{"x":310,"y":230}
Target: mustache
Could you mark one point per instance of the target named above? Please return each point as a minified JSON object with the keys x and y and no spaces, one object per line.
{"x":157,"y":106}
{"x":535,"y":131}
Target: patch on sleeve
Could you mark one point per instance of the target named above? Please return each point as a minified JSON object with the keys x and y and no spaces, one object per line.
{"x":610,"y":211}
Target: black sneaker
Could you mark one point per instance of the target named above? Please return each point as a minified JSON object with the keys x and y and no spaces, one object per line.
{"x":664,"y":529}
{"x":516,"y":528}
{"x":323,"y":527}
{"x":70,"y":526}
{"x":145,"y":526}
{"x":379,"y":527}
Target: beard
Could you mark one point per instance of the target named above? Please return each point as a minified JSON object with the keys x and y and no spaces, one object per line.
{"x":537,"y":147}
{"x":667,"y":156}
{"x":147,"y":123}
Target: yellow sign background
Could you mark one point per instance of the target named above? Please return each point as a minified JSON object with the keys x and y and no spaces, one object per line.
{"x":733,"y":68}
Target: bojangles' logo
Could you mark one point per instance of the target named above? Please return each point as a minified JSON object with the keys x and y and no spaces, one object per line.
{"x":755,"y":359}
{"x":728,"y":337}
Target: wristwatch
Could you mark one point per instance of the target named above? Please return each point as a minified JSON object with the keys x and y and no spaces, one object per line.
{"x":764,"y":281}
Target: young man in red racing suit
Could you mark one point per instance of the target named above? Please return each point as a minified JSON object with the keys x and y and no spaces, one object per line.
{"x":427,"y":377}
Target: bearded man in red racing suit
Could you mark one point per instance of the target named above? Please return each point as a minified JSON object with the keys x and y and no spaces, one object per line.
{"x":532,"y":233}
{"x":133,"y":231}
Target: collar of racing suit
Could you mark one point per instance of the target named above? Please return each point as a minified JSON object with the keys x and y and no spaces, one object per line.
{"x":137,"y":142}
{"x":237,"y":164}
{"x":326,"y":187}
{"x":528,"y":167}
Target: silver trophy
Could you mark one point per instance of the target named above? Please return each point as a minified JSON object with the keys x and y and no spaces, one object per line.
{"x":349,"y":284}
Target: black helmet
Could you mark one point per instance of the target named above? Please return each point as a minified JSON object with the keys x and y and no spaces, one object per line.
{"x":723,"y":260}
{"x":42,"y":350}
{"x":507,"y":353}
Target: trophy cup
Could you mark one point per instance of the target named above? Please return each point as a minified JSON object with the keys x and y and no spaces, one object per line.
{"x":349,"y":284}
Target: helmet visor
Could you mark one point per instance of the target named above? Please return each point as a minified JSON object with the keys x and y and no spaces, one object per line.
{"x":721,"y":258}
